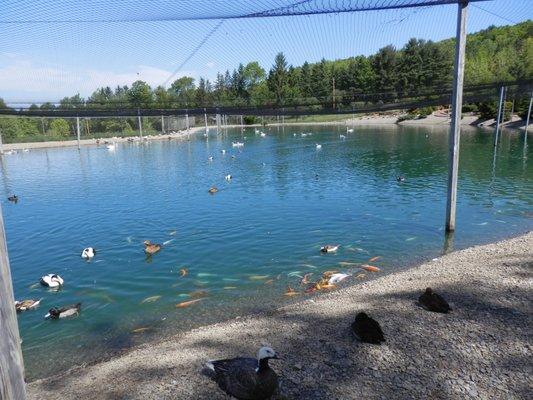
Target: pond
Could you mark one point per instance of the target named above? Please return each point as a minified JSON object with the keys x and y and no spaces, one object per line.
{"x":243,"y":245}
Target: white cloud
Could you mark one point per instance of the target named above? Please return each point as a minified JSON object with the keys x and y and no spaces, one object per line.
{"x":24,"y":80}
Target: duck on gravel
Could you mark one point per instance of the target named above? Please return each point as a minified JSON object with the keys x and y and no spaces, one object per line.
{"x":25,"y":305}
{"x":151,"y":248}
{"x":246,"y":378}
{"x":64,"y":312}
{"x":367,"y":329}
{"x":52,"y":281}
{"x":432,"y":301}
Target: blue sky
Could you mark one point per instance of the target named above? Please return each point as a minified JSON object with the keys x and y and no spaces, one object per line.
{"x":44,"y":62}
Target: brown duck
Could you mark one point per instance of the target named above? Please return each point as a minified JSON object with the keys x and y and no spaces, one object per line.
{"x":367,"y":329}
{"x":431,"y":301}
{"x":151,"y":248}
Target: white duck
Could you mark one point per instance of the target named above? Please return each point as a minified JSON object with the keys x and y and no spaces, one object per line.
{"x":349,"y":130}
{"x":223,"y":151}
{"x":318,"y":146}
{"x":237,"y":144}
{"x":329,"y":248}
{"x":111,"y":147}
{"x":52,"y":281}
{"x":88,"y":253}
{"x":228,"y":177}
{"x":263,"y":134}
{"x":342,"y":136}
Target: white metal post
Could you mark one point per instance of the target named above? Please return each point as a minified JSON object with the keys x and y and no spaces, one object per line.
{"x":2,"y":144}
{"x":457,"y":105}
{"x":529,"y":112}
{"x":78,"y":130}
{"x":162,"y":124}
{"x":205,"y":121}
{"x":140,"y":123}
{"x":12,"y":384}
{"x":498,"y":117}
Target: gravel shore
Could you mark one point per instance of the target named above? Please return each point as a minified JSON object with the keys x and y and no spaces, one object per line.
{"x":481,"y":350}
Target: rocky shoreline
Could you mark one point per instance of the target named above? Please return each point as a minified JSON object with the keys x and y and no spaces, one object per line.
{"x":481,"y":350}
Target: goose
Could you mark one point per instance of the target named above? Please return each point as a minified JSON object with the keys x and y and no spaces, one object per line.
{"x":342,"y":136}
{"x":64,"y":312}
{"x":52,"y":281}
{"x":25,"y":305}
{"x":431,"y":301}
{"x":263,"y":134}
{"x":318,"y":146}
{"x":151,"y":248}
{"x":349,"y":130}
{"x":88,"y":253}
{"x":246,"y":378}
{"x":329,"y":248}
{"x":367,"y":329}
{"x":111,"y":147}
{"x":13,"y":198}
{"x":228,"y":177}
{"x":400,"y":178}
{"x":213,"y":190}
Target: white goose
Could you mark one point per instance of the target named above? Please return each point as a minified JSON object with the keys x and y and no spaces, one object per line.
{"x":349,"y":130}
{"x":318,"y":146}
{"x":52,"y":281}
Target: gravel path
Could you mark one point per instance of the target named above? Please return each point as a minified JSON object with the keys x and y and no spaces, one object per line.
{"x":481,"y":350}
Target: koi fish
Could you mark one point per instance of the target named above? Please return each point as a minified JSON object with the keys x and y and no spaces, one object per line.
{"x":290,"y":292}
{"x":184,"y":304}
{"x":370,"y":268}
{"x":374,"y":259}
{"x":183,"y":272}
{"x":151,"y":299}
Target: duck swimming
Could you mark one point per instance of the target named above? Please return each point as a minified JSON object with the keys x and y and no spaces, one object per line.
{"x":151,"y":248}
{"x":400,"y":178}
{"x":367,"y":329}
{"x":88,"y":253}
{"x":52,"y":281}
{"x":213,"y":190}
{"x":13,"y":198}
{"x":228,"y":177}
{"x":64,"y":312}
{"x":431,"y":301}
{"x":25,"y":305}
{"x":246,"y":378}
{"x":329,"y":248}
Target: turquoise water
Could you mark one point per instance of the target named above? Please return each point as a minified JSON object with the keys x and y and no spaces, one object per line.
{"x":244,"y":244}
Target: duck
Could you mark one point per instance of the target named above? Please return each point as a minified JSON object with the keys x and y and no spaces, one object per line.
{"x":263,"y":134}
{"x":64,"y":312}
{"x":151,"y":248}
{"x":237,"y":144}
{"x":228,"y":177}
{"x":318,"y":146}
{"x":349,"y":130}
{"x":25,"y":150}
{"x":329,"y":248}
{"x":13,"y":198}
{"x":25,"y":305}
{"x":88,"y":253}
{"x":342,"y":136}
{"x":52,"y":281}
{"x":223,"y":151}
{"x":400,"y":178}
{"x":304,"y":134}
{"x":213,"y":190}
{"x":111,"y":147}
{"x":246,"y":378}
{"x":367,"y":329}
{"x":432,"y":301}
{"x":210,"y":158}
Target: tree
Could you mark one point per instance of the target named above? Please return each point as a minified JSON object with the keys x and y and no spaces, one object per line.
{"x":140,"y":95}
{"x":59,"y":127}
{"x":384,"y":65}
{"x":182,"y":90}
{"x":277,"y":79}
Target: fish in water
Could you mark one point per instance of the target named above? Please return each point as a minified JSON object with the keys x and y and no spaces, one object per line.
{"x":205,"y":274}
{"x":370,"y":268}
{"x":184,"y":304}
{"x":410,"y":239}
{"x":374,"y":259}
{"x":151,"y":299}
{"x":140,"y":330}
{"x":258,"y":277}
{"x":269,"y":282}
{"x":290,"y":292}
{"x":198,"y":293}
{"x":168,"y":242}
{"x":230,"y":287}
{"x":305,"y":279}
{"x":347,"y":264}
{"x":295,"y":273}
{"x":172,"y":233}
{"x":183,"y":272}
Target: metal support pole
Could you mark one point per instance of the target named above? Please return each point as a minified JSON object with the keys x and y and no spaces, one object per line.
{"x":498,"y":117}
{"x":162,"y":124}
{"x":242,"y":123}
{"x":12,"y":384}
{"x":187,"y":124}
{"x":2,"y":144}
{"x":529,"y":112}
{"x":78,"y":130}
{"x":205,"y":120}
{"x":457,"y":105}
{"x":140,"y":123}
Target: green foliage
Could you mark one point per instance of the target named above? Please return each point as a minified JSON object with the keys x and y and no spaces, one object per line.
{"x":59,"y":127}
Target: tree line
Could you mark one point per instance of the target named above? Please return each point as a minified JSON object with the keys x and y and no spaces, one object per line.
{"x":496,"y":54}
